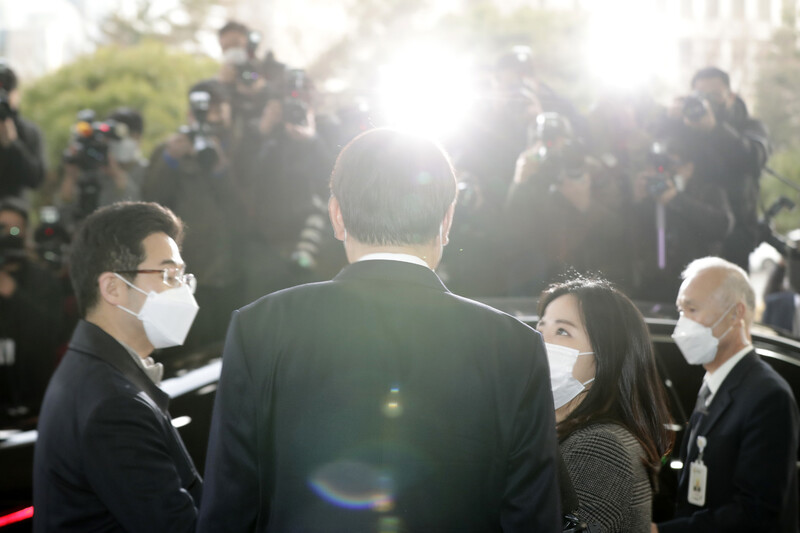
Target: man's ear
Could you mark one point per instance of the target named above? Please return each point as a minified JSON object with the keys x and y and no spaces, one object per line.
{"x":112,"y":289}
{"x":335,"y":212}
{"x":741,"y":312}
{"x":447,"y":223}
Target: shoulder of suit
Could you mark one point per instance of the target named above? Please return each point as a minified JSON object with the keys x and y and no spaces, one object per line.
{"x":603,"y":437}
{"x":92,"y":375}
{"x":762,"y":380}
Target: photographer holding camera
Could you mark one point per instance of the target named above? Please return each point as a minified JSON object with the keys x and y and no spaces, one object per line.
{"x":680,"y":215}
{"x":102,"y":164}
{"x":21,"y":149}
{"x":285,"y":193}
{"x":30,"y":317}
{"x":552,"y":217}
{"x":733,"y":149}
{"x":194,"y":174}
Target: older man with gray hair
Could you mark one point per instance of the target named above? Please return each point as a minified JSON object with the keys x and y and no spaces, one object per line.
{"x":740,"y":447}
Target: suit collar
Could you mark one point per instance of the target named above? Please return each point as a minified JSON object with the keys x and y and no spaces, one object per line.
{"x":397,"y":271}
{"x":725,"y":395}
{"x":95,"y":342}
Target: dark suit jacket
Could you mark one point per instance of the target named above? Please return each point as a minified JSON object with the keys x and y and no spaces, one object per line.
{"x":752,"y":432}
{"x":107,"y":457}
{"x":779,"y":310}
{"x":380,"y":401}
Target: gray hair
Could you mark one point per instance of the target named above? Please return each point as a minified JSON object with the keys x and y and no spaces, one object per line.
{"x":735,"y":286}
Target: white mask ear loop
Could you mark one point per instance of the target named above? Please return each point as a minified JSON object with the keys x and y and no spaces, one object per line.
{"x":133,"y":287}
{"x":720,"y":320}
{"x":345,"y":237}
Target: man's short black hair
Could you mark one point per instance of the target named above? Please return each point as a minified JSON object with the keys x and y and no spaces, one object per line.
{"x":234,"y":26}
{"x":213,"y":87}
{"x":110,"y":239}
{"x":711,"y":73}
{"x":130,"y":117}
{"x":394,"y":188}
{"x":8,"y":78}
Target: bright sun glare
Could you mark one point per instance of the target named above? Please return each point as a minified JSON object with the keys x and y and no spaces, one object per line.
{"x":626,"y":48}
{"x":426,"y":90}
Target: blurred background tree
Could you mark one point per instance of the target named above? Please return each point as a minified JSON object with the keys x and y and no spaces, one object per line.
{"x":483,"y":32}
{"x":181,"y":24}
{"x":778,"y":105}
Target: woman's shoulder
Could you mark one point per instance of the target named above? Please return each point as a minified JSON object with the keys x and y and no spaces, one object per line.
{"x":602,"y":437}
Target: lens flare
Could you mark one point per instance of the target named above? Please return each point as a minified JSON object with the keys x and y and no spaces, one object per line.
{"x":427,"y":90}
{"x":354,"y":485}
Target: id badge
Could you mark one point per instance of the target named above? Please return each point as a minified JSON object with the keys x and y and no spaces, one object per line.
{"x":698,"y":472}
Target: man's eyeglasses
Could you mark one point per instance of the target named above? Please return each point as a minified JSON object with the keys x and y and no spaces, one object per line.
{"x":173,"y":277}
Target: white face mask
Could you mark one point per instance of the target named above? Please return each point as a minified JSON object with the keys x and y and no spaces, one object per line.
{"x":167,"y":315}
{"x":235,"y":56}
{"x":562,"y":360}
{"x":696,"y":341}
{"x":125,"y":150}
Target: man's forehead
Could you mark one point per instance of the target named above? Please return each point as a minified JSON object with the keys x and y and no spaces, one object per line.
{"x":161,"y":248}
{"x":700,"y":287}
{"x":710,"y":84}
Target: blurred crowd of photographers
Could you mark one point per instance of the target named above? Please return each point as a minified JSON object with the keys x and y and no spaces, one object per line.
{"x":631,"y":189}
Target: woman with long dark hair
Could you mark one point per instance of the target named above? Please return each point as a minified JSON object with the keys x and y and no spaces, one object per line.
{"x":611,"y":408}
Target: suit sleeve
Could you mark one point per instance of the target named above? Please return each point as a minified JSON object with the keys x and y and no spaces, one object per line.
{"x":767,"y":456}
{"x":129,"y":466}
{"x":531,"y":496}
{"x":231,"y":492}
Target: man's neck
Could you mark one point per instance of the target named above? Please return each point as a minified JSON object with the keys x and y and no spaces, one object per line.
{"x":356,"y":250}
{"x":134,"y":341}
{"x":725,"y":352}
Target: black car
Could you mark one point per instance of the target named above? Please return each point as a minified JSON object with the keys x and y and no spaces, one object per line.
{"x":192,"y":382}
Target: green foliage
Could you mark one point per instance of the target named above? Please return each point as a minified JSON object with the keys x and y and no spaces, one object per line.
{"x":778,"y":105}
{"x":148,"y":77}
{"x":786,"y":162}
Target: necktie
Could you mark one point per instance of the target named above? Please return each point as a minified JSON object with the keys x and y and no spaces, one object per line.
{"x":697,"y":416}
{"x":702,"y":396}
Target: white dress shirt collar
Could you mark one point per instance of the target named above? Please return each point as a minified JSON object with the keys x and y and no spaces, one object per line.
{"x":386,"y":256}
{"x":715,"y":380}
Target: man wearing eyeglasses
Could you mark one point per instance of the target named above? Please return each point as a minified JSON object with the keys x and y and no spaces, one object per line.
{"x":107,"y":456}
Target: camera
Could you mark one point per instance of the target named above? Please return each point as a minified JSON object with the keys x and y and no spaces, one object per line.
{"x":201,"y":132}
{"x":51,"y":237}
{"x":664,"y":166}
{"x":295,"y":94}
{"x":551,"y":126}
{"x":694,"y":108}
{"x":249,"y":71}
{"x":566,"y":162}
{"x":88,"y":149}
{"x":12,"y":247}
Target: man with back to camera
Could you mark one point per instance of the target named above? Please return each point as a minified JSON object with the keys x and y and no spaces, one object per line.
{"x":380,"y":401}
{"x":740,"y":447}
{"x":107,"y":456}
